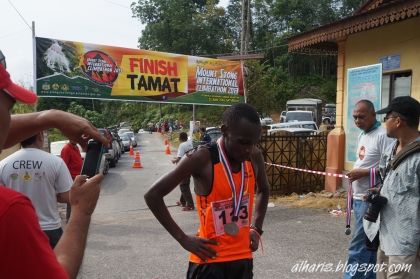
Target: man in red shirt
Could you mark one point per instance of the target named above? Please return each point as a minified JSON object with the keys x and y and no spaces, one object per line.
{"x":25,"y":251}
{"x":74,"y":162}
{"x":71,"y":156}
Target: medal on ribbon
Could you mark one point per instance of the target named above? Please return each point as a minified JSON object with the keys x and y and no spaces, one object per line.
{"x":232,"y":228}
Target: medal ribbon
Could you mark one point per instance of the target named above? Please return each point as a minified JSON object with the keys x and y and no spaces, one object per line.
{"x":237,"y":200}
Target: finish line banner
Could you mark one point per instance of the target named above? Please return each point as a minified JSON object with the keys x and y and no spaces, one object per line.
{"x":79,"y":70}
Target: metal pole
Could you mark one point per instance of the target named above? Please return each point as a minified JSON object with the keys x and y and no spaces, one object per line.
{"x":193,"y":116}
{"x":34,"y":89}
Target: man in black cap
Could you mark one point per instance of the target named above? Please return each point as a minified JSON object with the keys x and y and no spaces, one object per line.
{"x":399,"y":230}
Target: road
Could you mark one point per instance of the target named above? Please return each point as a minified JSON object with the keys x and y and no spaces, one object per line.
{"x":126,"y":241}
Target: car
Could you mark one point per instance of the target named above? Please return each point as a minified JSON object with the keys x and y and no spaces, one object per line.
{"x":141,"y":131}
{"x":283,"y":116}
{"x":296,"y":124}
{"x":266,"y":121}
{"x":126,"y":141}
{"x":132,"y":136}
{"x":214,"y":132}
{"x":112,"y":148}
{"x":294,"y":131}
{"x":123,"y":130}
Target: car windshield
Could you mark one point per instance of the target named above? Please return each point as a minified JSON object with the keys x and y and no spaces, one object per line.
{"x":309,"y":126}
{"x":130,"y":134}
{"x":122,"y":131}
{"x":125,"y":137}
{"x":299,"y":116}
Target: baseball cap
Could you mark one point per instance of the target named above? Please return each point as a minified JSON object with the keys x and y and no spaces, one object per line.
{"x":404,"y":105}
{"x":17,"y":92}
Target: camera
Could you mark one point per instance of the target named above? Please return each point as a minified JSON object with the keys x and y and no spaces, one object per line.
{"x":375,"y":203}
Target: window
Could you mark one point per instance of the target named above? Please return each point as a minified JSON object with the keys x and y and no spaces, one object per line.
{"x":395,"y":85}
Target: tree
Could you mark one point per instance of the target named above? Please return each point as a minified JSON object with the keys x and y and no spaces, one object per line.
{"x":182,"y":26}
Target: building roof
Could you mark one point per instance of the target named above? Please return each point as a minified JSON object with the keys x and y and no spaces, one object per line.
{"x":372,"y":14}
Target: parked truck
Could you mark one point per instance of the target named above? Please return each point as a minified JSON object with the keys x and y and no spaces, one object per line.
{"x":306,"y":104}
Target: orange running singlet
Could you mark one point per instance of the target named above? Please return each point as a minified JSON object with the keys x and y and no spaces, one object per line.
{"x":215,"y":210}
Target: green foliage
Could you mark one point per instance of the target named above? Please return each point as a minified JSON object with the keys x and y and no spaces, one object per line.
{"x":19,"y":108}
{"x":182,"y":26}
{"x":55,"y":135}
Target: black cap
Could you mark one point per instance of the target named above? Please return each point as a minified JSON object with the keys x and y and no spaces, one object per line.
{"x":405,"y":105}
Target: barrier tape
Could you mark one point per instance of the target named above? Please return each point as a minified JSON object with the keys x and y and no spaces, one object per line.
{"x":349,"y":193}
{"x":309,"y":171}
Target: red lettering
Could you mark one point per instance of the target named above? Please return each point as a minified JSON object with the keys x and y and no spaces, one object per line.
{"x":133,"y":64}
{"x":162,"y":67}
{"x":154,"y":67}
{"x":172,"y":70}
{"x":149,"y":66}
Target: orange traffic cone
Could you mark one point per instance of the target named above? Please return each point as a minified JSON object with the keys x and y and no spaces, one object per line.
{"x":168,"y":150}
{"x":166,"y":142}
{"x":137,"y":163}
{"x":131,"y":151}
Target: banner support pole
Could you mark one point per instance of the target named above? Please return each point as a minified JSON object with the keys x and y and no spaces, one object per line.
{"x":34,"y":89}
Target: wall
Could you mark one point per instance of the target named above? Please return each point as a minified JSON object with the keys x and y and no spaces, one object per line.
{"x":367,"y":47}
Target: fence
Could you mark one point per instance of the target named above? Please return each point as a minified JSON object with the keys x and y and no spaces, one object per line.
{"x":300,"y":151}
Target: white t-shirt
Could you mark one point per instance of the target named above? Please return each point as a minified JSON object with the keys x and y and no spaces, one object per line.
{"x":40,"y":176}
{"x":370,"y":147}
{"x":184,"y":148}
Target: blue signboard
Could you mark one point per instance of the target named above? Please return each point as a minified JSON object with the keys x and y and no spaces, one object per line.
{"x":362,"y":83}
{"x":390,"y":62}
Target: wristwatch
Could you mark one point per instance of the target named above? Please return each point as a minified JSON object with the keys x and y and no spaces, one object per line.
{"x":258,"y":230}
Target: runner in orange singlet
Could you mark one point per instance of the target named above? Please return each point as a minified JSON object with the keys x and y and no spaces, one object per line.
{"x":226,"y":175}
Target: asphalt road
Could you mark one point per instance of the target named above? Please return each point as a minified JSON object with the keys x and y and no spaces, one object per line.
{"x":126,"y":241}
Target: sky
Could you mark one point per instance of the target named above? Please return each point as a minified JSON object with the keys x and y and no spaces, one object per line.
{"x":104,"y":22}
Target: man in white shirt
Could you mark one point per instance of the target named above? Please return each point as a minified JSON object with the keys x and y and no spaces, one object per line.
{"x":41,"y":176}
{"x":372,"y":143}
{"x":186,"y":200}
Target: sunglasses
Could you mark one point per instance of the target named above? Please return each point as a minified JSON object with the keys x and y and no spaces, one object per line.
{"x":2,"y":59}
{"x":389,"y":117}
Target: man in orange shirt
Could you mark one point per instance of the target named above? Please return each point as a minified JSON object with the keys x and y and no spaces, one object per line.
{"x":225,"y":175}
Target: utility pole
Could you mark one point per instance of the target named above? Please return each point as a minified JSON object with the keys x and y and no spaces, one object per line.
{"x":245,"y":34}
{"x":246,"y":26}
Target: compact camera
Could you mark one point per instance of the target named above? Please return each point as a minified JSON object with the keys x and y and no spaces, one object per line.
{"x":375,"y":203}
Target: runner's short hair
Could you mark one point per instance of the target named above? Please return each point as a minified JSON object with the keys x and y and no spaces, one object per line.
{"x":234,"y":113}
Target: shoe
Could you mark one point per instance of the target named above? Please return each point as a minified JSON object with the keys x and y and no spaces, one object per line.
{"x":187,"y":208}
{"x":178,"y":203}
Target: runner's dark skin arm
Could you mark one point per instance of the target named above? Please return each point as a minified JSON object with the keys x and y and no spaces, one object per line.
{"x":193,"y":164}
{"x":262,"y":189}
{"x":261,"y":195}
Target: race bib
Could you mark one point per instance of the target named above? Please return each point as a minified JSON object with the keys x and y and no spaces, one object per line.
{"x":223,"y":212}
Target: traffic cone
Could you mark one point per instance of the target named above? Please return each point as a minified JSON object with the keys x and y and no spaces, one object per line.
{"x":166,"y":142}
{"x":137,"y":163}
{"x":131,"y":151}
{"x":168,"y":150}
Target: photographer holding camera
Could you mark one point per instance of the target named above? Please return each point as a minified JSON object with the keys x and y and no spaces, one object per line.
{"x":372,"y":143}
{"x":399,"y":198}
